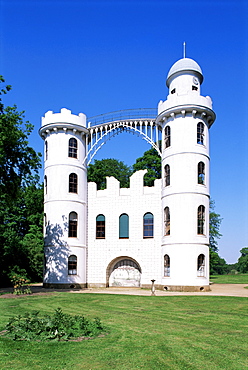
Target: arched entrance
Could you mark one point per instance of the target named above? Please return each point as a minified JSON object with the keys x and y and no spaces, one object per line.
{"x":123,"y":272}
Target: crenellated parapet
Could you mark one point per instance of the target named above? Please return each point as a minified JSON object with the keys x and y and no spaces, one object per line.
{"x":63,"y":121}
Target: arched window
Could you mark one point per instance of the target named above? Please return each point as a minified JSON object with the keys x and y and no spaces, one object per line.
{"x":124,"y":226}
{"x":72,"y":152}
{"x":201,"y":173}
{"x":148,"y":225}
{"x":100,"y":227}
{"x":46,"y":150}
{"x":167,"y":175}
{"x":167,"y":137}
{"x":200,"y":220}
{"x":73,"y":183}
{"x":72,"y":265}
{"x":45,"y":184}
{"x":201,"y":265}
{"x":73,"y":225}
{"x":166,"y":265}
{"x":167,"y":221}
{"x":200,"y":133}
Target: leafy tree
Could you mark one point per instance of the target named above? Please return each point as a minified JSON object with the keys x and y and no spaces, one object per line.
{"x":98,"y":171}
{"x":19,"y":166}
{"x":214,"y":226}
{"x":243,"y":260}
{"x":217,"y":264}
{"x":151,"y":161}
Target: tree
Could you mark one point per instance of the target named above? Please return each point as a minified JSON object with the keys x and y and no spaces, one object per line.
{"x":151,"y":161}
{"x":243,"y":260}
{"x":214,"y":227}
{"x":19,"y":166}
{"x":217,"y":264}
{"x":98,"y":171}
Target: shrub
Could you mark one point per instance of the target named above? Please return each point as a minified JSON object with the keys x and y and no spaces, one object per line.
{"x":59,"y":326}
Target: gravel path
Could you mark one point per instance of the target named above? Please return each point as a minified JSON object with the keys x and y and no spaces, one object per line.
{"x":231,"y":290}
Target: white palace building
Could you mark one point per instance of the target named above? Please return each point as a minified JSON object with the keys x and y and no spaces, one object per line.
{"x":131,"y":236}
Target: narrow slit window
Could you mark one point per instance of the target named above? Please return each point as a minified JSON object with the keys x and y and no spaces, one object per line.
{"x":201,"y":220}
{"x":200,"y":133}
{"x":72,"y":150}
{"x":167,"y":175}
{"x":167,"y":137}
{"x":166,"y":265}
{"x":72,"y":265}
{"x":46,"y":150}
{"x":100,"y":227}
{"x":148,"y":225}
{"x":166,"y":221}
{"x":73,"y":183}
{"x":201,"y":173}
{"x":73,"y":225}
{"x":201,"y":265}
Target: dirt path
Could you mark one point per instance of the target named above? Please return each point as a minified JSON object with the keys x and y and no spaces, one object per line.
{"x":231,"y":290}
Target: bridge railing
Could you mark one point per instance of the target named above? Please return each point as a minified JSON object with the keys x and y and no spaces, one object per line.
{"x":140,"y":113}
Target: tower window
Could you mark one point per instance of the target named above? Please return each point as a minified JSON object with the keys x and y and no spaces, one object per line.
{"x":148,"y":225}
{"x":173,"y":91}
{"x":72,"y":150}
{"x":201,"y":173}
{"x":201,"y":265}
{"x":72,"y":265}
{"x":166,"y":265}
{"x":124,"y":226}
{"x":45,"y":184}
{"x":46,"y":150}
{"x":73,"y":225}
{"x":167,"y":175}
{"x":73,"y":183}
{"x":100,"y":227}
{"x":200,"y":220}
{"x":194,"y":88}
{"x":200,"y":133}
{"x":167,"y":137}
{"x":167,"y":221}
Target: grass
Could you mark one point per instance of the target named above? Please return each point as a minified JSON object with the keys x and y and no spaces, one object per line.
{"x":180,"y":332}
{"x":230,"y":279}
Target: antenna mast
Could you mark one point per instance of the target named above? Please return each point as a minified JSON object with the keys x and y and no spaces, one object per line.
{"x":184,"y":49}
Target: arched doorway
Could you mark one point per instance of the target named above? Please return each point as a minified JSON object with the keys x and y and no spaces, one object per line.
{"x":123,"y":272}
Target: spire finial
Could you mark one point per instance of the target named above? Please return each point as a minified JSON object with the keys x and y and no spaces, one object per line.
{"x":184,"y":49}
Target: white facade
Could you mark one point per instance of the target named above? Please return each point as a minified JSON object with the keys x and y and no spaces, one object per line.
{"x":128,"y":237}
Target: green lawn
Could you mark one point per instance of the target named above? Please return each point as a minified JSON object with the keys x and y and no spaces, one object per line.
{"x":180,"y":332}
{"x":229,"y":279}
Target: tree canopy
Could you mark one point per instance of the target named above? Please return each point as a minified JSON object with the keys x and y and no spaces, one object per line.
{"x":21,"y":198}
{"x":98,"y":171}
{"x":151,"y":161}
{"x":243,"y":260}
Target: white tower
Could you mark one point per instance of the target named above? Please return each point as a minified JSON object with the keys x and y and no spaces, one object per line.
{"x":185,"y":118}
{"x":65,"y":199}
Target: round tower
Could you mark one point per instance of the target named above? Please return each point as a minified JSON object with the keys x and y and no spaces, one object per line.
{"x":185,"y":118}
{"x":65,"y":199}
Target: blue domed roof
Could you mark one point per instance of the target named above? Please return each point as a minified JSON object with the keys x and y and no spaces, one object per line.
{"x":184,"y":65}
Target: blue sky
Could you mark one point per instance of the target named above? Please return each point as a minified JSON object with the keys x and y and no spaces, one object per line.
{"x":101,"y":56}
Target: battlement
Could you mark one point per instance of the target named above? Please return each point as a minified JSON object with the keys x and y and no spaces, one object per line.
{"x":136,"y":188}
{"x":65,"y":116}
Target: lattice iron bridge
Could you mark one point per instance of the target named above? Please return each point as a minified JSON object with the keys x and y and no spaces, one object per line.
{"x":140,"y":122}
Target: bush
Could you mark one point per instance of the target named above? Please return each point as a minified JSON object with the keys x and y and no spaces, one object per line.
{"x":59,"y":326}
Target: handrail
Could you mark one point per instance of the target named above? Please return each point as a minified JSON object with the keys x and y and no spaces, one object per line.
{"x":120,"y":115}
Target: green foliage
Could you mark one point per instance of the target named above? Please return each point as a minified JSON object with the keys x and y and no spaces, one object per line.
{"x":98,"y":171}
{"x":59,"y":326}
{"x":214,"y":227}
{"x":243,"y":260}
{"x":217,"y":264}
{"x":151,"y":161}
{"x":20,"y":284}
{"x":21,"y":199}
